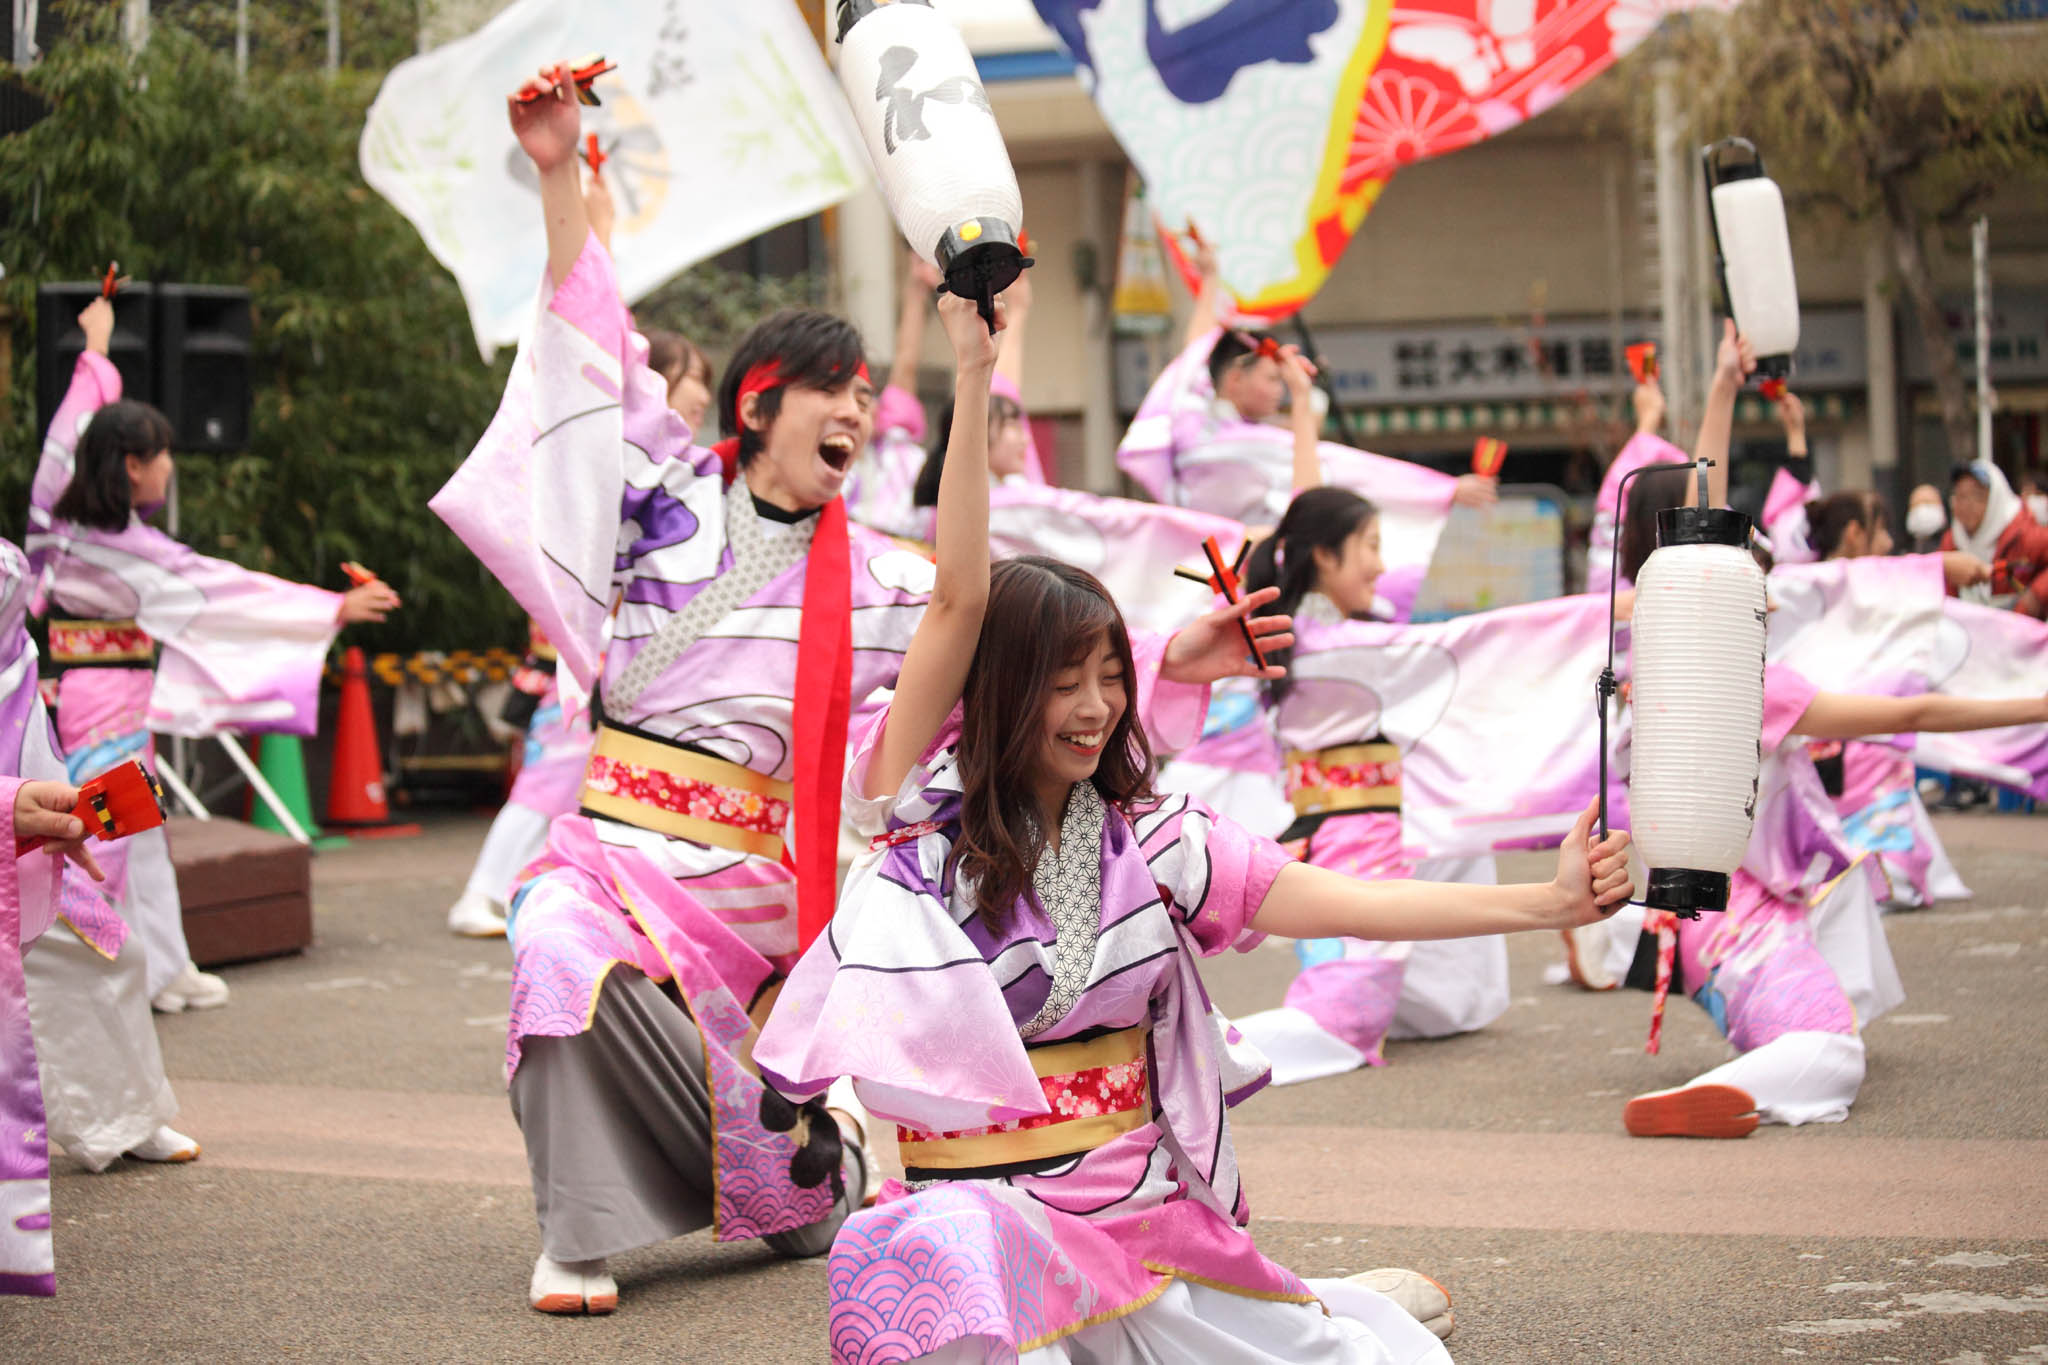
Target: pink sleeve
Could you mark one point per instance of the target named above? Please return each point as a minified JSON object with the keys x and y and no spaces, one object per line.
{"x":94,"y":384}
{"x":29,"y":889}
{"x":1787,"y":694}
{"x":1173,"y":415}
{"x":1214,"y":872}
{"x":899,"y":410}
{"x":1643,"y":448}
{"x":1171,"y":712}
{"x":584,"y":472}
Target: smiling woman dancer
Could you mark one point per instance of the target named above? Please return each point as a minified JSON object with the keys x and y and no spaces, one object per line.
{"x":239,"y":649}
{"x":1013,"y":983}
{"x":644,"y":959}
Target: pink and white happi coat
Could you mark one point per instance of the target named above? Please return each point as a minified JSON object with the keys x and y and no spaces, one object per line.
{"x":1986,"y":652}
{"x":1798,"y":963}
{"x":1492,"y":714}
{"x":911,"y":995}
{"x":1188,"y":448}
{"x":586,"y":487}
{"x":238,"y":650}
{"x":1800,"y":948}
{"x":241,"y":650}
{"x":34,"y":891}
{"x":1883,"y":625}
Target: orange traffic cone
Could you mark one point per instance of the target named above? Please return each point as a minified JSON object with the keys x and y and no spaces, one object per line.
{"x":355,"y":791}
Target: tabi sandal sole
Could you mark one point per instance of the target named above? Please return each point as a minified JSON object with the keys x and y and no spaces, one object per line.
{"x":1701,"y":1111}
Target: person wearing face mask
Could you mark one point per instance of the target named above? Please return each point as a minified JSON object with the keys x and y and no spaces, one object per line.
{"x":1206,"y":437}
{"x":1994,"y":525}
{"x":2034,"y":494}
{"x":151,"y":637}
{"x":1926,"y":519}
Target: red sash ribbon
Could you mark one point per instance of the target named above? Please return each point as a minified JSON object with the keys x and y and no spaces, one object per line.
{"x":824,"y":700}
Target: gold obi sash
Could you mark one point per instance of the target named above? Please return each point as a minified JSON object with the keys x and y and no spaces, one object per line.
{"x":685,"y":794}
{"x":84,"y":643}
{"x":1098,"y":1090}
{"x":1344,"y":777}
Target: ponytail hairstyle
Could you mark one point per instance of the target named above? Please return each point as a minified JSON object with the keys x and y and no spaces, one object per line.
{"x":1043,"y":616}
{"x":98,"y":495}
{"x":1828,"y":519}
{"x":1318,"y":519}
{"x":925,"y":492}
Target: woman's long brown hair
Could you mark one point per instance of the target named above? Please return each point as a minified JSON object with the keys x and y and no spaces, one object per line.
{"x":1043,"y":616}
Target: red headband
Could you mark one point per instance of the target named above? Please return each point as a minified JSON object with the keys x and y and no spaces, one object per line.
{"x":767,"y":374}
{"x":759,"y":378}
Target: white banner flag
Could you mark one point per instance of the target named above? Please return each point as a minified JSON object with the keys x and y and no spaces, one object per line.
{"x":721,"y":122}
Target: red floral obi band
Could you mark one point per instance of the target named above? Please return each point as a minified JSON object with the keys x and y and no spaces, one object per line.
{"x":1097,"y":1090}
{"x":75,"y":643}
{"x":685,"y":794}
{"x":1346,"y":777}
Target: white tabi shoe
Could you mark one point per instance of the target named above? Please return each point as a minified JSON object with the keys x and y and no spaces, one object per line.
{"x":572,"y":1287}
{"x":165,"y":1144}
{"x":1415,"y":1294}
{"x":476,"y":916}
{"x":191,"y":989}
{"x":1585,"y":957}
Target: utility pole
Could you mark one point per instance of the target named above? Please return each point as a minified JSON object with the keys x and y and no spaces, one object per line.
{"x":135,"y":24}
{"x":1987,"y":401}
{"x":241,"y":41}
{"x":333,"y":36}
{"x":1674,"y":223}
{"x":24,"y":33}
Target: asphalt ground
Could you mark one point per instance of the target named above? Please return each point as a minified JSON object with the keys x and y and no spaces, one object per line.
{"x":363,"y":1195}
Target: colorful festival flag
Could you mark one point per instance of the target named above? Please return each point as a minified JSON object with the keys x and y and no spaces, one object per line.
{"x":720,"y":122}
{"x":1275,"y":124}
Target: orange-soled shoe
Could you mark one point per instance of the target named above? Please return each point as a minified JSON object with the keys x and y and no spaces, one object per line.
{"x":572,"y":1287}
{"x":600,"y":1291}
{"x":1702,"y":1111}
{"x":165,"y":1144}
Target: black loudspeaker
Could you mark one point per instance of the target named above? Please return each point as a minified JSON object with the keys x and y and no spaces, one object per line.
{"x":202,"y":365}
{"x":59,"y":341}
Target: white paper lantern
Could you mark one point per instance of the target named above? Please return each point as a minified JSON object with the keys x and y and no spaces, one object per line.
{"x":1697,"y":706}
{"x":1756,"y":253}
{"x":929,"y":129}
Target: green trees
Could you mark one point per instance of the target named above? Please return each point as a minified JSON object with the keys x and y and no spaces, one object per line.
{"x":367,"y":387}
{"x":368,"y":391}
{"x":1908,"y":115}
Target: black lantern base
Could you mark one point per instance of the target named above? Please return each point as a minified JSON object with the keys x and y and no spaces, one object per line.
{"x":980,"y":259}
{"x":1685,"y":891}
